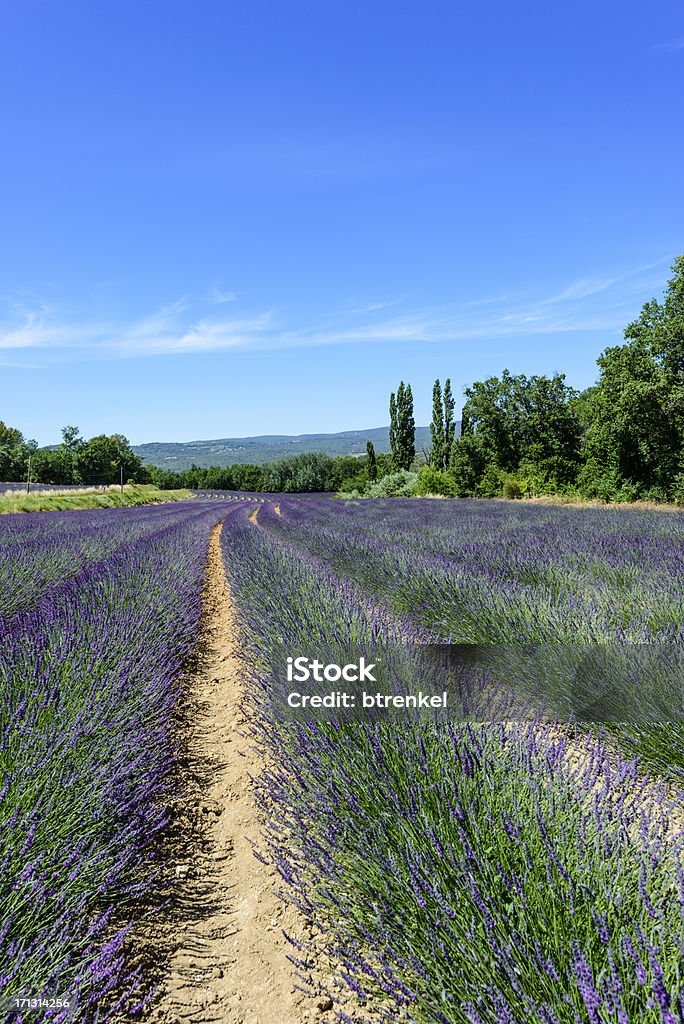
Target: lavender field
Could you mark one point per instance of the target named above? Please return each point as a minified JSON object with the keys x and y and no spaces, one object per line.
{"x":99,"y":612}
{"x":459,"y":871}
{"x":475,"y":872}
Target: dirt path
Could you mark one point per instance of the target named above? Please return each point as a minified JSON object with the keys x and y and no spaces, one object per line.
{"x":230,"y":963}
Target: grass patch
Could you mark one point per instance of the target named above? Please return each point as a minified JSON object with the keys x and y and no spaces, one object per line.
{"x":51,"y":501}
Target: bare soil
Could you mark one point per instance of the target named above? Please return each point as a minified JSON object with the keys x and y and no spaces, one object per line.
{"x":230,"y":961}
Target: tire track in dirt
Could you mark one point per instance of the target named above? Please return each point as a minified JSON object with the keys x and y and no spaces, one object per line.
{"x":230,"y":960}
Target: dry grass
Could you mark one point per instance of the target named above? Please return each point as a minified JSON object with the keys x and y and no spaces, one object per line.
{"x":87,"y":497}
{"x":649,"y":506}
{"x":569,"y":502}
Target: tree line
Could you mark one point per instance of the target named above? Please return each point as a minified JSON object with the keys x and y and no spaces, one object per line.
{"x":109,"y":459}
{"x":100,"y":460}
{"x":620,"y":439}
{"x":308,"y":472}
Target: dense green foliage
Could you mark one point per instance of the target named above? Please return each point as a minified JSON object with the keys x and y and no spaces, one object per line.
{"x":434,"y":481}
{"x":516,"y":424}
{"x":309,"y":472}
{"x":372,"y":466}
{"x":401,"y":484}
{"x":635,"y":415}
{"x":621,"y":439}
{"x":402,"y":432}
{"x":442,"y":427}
{"x":100,"y":460}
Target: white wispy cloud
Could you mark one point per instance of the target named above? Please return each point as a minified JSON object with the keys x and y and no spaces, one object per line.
{"x":354,"y":309}
{"x":599,"y":302}
{"x":672,"y":46}
{"x":154,"y":337}
{"x":37,"y":331}
{"x":218,"y":297}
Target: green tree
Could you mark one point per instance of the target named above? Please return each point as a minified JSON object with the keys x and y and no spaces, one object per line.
{"x":67,"y":456}
{"x":372,"y":462}
{"x":12,"y":454}
{"x":633,"y":433}
{"x":402,"y":427}
{"x":634,"y":415}
{"x":310,"y":471}
{"x":438,"y":452}
{"x":515,"y":422}
{"x":443,"y":426}
{"x":393,"y":427}
{"x":660,"y":327}
{"x":47,"y":467}
{"x":343,"y":469}
{"x":105,"y":459}
{"x":71,"y":439}
{"x":385,"y":464}
{"x":449,"y":421}
{"x":10,"y":436}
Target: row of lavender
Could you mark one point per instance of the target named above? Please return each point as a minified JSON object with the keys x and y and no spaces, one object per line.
{"x":467,"y":873}
{"x":499,"y":573}
{"x":99,"y":611}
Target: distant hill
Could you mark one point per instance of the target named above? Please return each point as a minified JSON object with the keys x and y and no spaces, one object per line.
{"x":227,"y":451}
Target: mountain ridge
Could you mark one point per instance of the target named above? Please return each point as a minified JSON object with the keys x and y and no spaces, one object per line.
{"x":260,"y":448}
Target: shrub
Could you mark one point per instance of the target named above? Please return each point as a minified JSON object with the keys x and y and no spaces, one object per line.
{"x":358,"y":482}
{"x":512,"y":487}
{"x":678,"y":489}
{"x":490,"y":484}
{"x":435,"y":481}
{"x":593,"y":483}
{"x":395,"y":485}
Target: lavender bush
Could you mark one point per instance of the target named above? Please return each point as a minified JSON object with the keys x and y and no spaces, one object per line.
{"x":100,"y":609}
{"x":469,"y":873}
{"x":497,"y":573}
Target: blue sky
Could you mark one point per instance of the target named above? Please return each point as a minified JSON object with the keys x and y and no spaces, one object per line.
{"x":224,"y":219}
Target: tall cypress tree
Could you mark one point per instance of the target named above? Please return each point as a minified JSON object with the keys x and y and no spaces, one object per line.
{"x":406,"y":428}
{"x":393,"y":429}
{"x":449,"y":423}
{"x":372,"y":466}
{"x":437,"y":432}
{"x":402,"y":427}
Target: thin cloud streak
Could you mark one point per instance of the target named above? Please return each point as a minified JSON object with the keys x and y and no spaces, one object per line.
{"x":203,"y":336}
{"x":219,"y":298}
{"x":593,"y":303}
{"x":673,"y":46}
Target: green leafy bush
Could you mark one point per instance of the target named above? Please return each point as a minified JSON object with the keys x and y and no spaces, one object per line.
{"x":395,"y":485}
{"x":678,"y":489}
{"x":435,"y":481}
{"x":490,"y":484}
{"x":512,"y":488}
